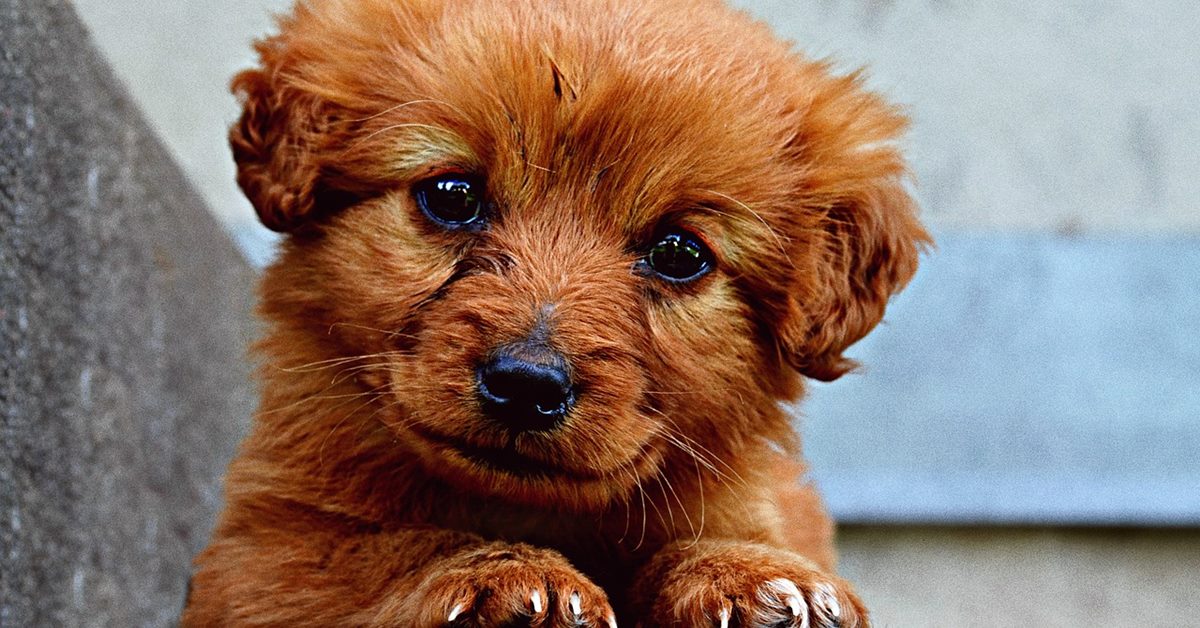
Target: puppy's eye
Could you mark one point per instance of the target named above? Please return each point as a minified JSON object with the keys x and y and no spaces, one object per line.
{"x":454,"y":200}
{"x":679,"y":256}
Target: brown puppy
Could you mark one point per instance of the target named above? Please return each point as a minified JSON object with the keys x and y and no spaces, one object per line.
{"x":551,"y":267}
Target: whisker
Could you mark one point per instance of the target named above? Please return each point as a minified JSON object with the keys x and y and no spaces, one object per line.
{"x":349,"y":371}
{"x":709,"y":454}
{"x":779,"y":240}
{"x":402,"y":105}
{"x":372,"y":394}
{"x":682,"y":507}
{"x":312,"y":398}
{"x":658,"y":512}
{"x":686,"y":448}
{"x":666,"y":502}
{"x":404,"y":421}
{"x":358,"y":326}
{"x":628,"y":504}
{"x":676,"y":436}
{"x":320,"y":365}
{"x":642,"y":493}
{"x":401,"y":125}
{"x":394,"y":333}
{"x":700,"y":487}
{"x":708,"y":391}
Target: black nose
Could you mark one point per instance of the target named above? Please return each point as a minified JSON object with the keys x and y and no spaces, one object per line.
{"x":524,"y":395}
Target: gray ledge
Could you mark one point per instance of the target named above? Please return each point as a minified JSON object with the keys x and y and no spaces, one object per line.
{"x":1024,"y":379}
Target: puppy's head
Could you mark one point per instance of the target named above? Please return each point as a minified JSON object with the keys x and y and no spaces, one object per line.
{"x":579,"y":240}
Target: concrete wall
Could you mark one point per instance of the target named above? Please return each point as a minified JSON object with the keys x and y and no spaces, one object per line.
{"x":124,"y":316}
{"x":1069,"y":115}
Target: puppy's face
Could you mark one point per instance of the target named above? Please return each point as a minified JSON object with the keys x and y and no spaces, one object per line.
{"x":578,"y":241}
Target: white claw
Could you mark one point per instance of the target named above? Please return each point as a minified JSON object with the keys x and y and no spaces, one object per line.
{"x":724,"y":614}
{"x":576,"y":604}
{"x":782,"y":591}
{"x":612,"y":621}
{"x":794,"y":604}
{"x":455,"y":613}
{"x":791,"y":592}
{"x":536,"y":599}
{"x":829,"y":600}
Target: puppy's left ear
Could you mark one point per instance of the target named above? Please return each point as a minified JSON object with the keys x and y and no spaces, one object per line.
{"x":865,"y":245}
{"x":288,"y":137}
{"x":277,"y":145}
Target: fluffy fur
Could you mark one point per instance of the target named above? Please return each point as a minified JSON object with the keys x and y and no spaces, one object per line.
{"x":672,"y":494}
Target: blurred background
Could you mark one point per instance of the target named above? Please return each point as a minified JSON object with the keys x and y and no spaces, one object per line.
{"x":1023,"y":444}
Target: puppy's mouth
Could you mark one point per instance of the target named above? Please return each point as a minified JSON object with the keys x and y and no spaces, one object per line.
{"x":505,"y":459}
{"x":508,"y":460}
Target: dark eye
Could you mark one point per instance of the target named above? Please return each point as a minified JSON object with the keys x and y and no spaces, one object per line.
{"x":454,"y":200}
{"x":680,"y":256}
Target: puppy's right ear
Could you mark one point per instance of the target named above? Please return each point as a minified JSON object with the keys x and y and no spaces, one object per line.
{"x":866,"y":240}
{"x":276,"y":145}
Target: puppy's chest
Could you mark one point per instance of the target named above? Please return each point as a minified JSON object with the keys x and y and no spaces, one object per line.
{"x":532,"y":526}
{"x":582,"y":538}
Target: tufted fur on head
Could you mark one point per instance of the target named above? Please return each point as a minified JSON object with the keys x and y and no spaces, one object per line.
{"x":311,"y":140}
{"x":594,"y":128}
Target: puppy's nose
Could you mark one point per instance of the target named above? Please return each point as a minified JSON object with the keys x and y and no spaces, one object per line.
{"x":526,"y":395}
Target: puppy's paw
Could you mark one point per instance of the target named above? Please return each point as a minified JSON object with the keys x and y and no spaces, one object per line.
{"x":511,"y":585}
{"x":781,"y":602}
{"x":755,"y":594}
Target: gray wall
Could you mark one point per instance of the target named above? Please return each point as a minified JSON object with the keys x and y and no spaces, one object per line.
{"x":1071,"y":115}
{"x":124,"y":316}
{"x":1068,"y":115}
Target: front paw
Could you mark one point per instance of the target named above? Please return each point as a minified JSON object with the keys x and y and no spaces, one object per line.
{"x":750,"y":586}
{"x":509,"y":585}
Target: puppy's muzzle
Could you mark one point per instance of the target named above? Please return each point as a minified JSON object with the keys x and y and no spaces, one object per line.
{"x":526,"y":387}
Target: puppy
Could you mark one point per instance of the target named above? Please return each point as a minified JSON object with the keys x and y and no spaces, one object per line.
{"x":551,"y":267}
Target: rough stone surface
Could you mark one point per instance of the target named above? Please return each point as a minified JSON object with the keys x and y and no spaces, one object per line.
{"x":124,"y":313}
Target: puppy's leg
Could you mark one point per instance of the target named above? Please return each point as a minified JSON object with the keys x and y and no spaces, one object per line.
{"x":419,"y":578}
{"x":744,"y":584}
